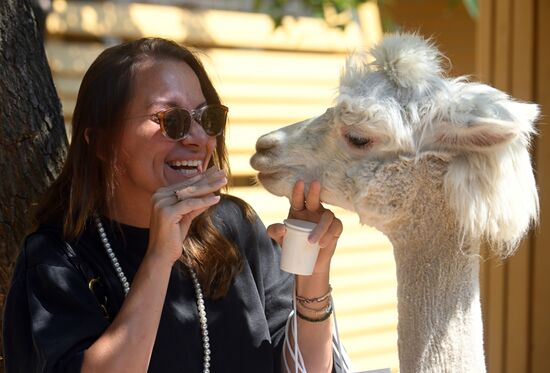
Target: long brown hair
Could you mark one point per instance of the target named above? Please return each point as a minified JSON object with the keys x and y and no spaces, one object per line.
{"x":87,"y":184}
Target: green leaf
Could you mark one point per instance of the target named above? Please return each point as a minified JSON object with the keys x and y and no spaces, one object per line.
{"x":472,"y":8}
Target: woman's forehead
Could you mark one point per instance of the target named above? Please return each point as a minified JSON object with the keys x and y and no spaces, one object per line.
{"x":167,"y":83}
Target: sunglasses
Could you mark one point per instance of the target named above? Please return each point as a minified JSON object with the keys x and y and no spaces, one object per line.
{"x":176,"y":122}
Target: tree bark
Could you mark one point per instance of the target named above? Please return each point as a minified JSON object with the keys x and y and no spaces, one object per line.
{"x":33,"y":141}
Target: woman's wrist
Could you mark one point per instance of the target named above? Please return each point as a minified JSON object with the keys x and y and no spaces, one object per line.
{"x":312,"y":285}
{"x":316,"y":308}
{"x":159,"y":259}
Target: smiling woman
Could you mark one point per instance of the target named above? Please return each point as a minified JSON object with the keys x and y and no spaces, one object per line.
{"x":139,"y":262}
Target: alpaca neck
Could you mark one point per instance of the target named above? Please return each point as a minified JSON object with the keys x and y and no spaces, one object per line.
{"x":440,"y":326}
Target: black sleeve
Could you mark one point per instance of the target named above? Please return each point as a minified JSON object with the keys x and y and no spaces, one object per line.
{"x":277,"y":288}
{"x":50,"y":317}
{"x":274,"y":286}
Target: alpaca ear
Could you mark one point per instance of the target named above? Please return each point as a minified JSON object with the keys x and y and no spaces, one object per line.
{"x":482,"y":117}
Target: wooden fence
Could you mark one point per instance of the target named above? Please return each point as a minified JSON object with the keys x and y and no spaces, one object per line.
{"x":514,"y":55}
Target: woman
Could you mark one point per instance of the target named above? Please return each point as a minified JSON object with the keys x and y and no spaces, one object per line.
{"x":105,"y":284}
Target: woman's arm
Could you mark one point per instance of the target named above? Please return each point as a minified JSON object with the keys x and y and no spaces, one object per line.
{"x":127,"y":344}
{"x":314,"y":337}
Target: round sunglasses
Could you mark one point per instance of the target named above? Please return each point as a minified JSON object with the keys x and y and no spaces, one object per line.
{"x":176,"y":122}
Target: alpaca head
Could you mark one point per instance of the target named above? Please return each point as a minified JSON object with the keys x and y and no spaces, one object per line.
{"x":398,"y":128}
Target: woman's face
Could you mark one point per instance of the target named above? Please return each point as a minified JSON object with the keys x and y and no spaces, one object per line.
{"x":148,"y":160}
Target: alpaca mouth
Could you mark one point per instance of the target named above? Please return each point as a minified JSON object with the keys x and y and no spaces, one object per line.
{"x":271,"y":176}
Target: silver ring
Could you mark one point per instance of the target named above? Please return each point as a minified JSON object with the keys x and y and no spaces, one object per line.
{"x":178,"y":198}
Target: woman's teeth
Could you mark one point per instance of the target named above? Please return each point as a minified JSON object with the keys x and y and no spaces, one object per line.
{"x":186,"y":167}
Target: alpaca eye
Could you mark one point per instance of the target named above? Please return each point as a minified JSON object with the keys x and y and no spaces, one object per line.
{"x":357,"y":141}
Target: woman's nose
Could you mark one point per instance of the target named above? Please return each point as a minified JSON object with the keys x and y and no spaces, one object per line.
{"x":196,"y":134}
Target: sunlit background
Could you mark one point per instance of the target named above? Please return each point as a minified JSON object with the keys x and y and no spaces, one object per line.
{"x":273,"y":70}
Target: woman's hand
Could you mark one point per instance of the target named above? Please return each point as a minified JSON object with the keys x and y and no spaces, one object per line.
{"x":328,"y":229}
{"x":174,"y":207}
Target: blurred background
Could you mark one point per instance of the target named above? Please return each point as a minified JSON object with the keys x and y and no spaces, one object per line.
{"x":278,"y":62}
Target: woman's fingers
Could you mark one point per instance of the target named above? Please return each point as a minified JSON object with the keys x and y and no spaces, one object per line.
{"x":199,"y":205}
{"x":191,"y":204}
{"x":297,"y":197}
{"x":328,"y":227}
{"x":332,"y":234}
{"x":313,"y":199}
{"x":327,"y":218}
{"x":299,"y":201}
{"x":186,"y":206}
{"x":194,"y":196}
{"x":277,"y":232}
{"x":208,"y":177}
{"x":201,"y":186}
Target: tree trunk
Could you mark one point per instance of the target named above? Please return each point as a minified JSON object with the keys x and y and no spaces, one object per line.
{"x":33,"y":142}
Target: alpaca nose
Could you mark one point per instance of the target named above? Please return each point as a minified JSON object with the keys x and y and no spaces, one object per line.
{"x":267,"y":143}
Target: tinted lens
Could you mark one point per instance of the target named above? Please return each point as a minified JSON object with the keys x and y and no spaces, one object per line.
{"x":176,"y":123}
{"x":213,"y":119}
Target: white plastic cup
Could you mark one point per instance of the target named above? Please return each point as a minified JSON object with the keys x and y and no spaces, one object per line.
{"x":298,"y":255}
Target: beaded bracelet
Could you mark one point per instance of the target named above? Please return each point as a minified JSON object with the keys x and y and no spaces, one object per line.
{"x":317,"y":311}
{"x":317,"y":300}
{"x":326,"y":315}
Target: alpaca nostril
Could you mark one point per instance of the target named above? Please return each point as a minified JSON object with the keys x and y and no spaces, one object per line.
{"x":267,"y":143}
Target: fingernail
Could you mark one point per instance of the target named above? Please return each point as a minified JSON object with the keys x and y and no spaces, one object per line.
{"x":312,"y":238}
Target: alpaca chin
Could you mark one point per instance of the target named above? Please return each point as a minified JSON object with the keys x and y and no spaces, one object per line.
{"x":276,"y":183}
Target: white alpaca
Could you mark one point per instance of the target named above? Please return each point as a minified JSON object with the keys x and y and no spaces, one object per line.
{"x":438,"y":165}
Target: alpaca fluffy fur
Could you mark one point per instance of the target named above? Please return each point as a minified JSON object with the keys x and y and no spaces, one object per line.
{"x":403,"y":99}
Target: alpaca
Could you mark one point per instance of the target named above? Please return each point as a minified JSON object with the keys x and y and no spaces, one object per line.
{"x":438,"y":165}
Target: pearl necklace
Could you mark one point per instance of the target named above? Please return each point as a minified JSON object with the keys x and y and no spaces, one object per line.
{"x":126,"y":286}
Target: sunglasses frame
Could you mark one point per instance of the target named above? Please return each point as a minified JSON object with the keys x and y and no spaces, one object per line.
{"x":195,"y":114}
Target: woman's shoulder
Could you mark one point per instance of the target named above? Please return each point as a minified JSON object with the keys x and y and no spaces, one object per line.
{"x":44,"y":246}
{"x":231,"y":206}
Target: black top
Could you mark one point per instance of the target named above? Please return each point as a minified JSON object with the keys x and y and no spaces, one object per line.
{"x":52,"y":317}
